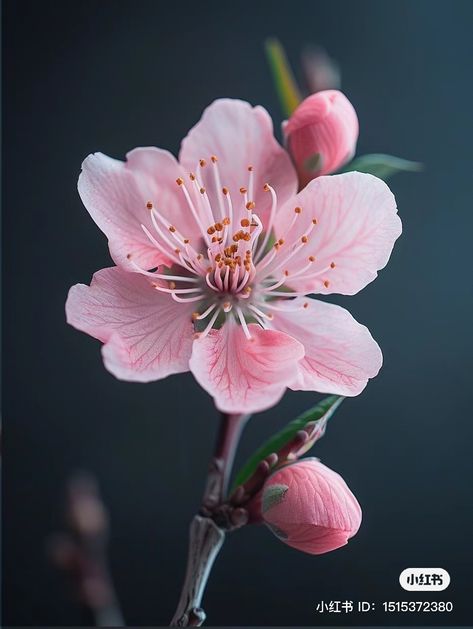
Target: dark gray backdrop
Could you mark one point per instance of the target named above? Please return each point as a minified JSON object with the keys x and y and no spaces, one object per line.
{"x":102,"y":75}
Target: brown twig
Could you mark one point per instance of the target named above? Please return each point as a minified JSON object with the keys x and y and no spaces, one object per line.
{"x":207,"y":530}
{"x":81,"y":552}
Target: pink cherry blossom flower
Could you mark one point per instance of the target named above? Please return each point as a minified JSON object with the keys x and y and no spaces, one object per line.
{"x":310,"y":507}
{"x":321,"y":134}
{"x":213,"y":271}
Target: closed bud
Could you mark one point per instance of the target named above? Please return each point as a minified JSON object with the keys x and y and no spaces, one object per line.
{"x":321,"y":134}
{"x":310,"y":507}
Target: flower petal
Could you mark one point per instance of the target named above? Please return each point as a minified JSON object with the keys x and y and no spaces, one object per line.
{"x":317,"y":513}
{"x":245,"y":375}
{"x":340,"y":353}
{"x":147,"y":335}
{"x":116,"y":195}
{"x":325,"y":127}
{"x":357,"y":225}
{"x":239,"y":135}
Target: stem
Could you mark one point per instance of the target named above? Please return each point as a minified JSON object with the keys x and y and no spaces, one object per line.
{"x":206,"y":537}
{"x":231,"y":427}
{"x":205,"y":541}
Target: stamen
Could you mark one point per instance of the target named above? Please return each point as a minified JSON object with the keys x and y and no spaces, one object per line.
{"x":205,"y":204}
{"x":260,"y":320}
{"x":188,"y":300}
{"x":271,"y":306}
{"x":229,"y":204}
{"x":209,"y":325}
{"x":177,"y":278}
{"x":244,"y":325}
{"x":195,"y":214}
{"x":250,"y":181}
{"x":158,"y":245}
{"x":212,"y":286}
{"x":225,"y":279}
{"x":218,"y":185}
{"x":260,"y":312}
{"x":178,"y":237}
{"x":285,"y":259}
{"x":236,"y":275}
{"x":243,"y":281}
{"x":177,"y":291}
{"x":269,"y":226}
{"x":218,"y":279}
{"x":297,"y":213}
{"x":309,"y":276}
{"x":206,"y":313}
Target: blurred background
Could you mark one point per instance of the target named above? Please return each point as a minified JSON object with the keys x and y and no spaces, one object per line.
{"x":109,"y":76}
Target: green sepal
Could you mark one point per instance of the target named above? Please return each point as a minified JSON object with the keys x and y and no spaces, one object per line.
{"x":317,"y":416}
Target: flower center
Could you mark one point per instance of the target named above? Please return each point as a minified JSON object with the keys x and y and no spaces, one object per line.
{"x":227,"y":271}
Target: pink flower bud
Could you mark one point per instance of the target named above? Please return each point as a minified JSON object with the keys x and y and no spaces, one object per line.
{"x":321,"y":134}
{"x":309,"y":507}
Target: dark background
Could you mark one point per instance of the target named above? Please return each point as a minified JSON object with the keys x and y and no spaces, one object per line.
{"x":101,"y":75}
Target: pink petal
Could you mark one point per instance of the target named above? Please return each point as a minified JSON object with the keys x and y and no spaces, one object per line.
{"x":116,"y":193}
{"x":239,"y":135}
{"x":357,"y":225}
{"x":340,"y":353}
{"x":147,"y":335}
{"x":324,"y":126}
{"x":245,"y":375}
{"x":310,"y":507}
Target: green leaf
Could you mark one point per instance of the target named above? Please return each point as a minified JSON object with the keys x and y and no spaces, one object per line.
{"x":286,"y":85}
{"x":383,"y":166}
{"x":317,"y":416}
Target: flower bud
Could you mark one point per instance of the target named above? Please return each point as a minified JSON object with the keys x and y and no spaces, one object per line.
{"x":321,"y":134}
{"x":309,"y":507}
